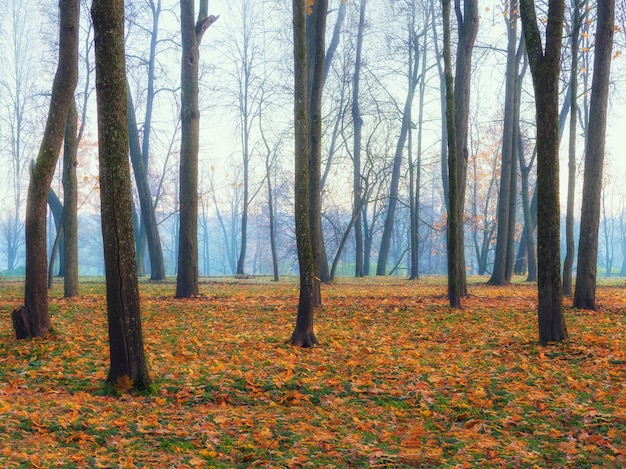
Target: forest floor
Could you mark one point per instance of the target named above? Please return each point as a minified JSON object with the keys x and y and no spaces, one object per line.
{"x":399,"y":380}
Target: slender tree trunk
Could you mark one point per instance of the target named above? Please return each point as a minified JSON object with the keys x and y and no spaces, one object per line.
{"x":454,"y":286}
{"x":442,"y":100}
{"x":303,"y":334}
{"x":545,"y":72}
{"x":468,"y":29}
{"x":356,"y":152}
{"x":127,"y":359}
{"x":148,"y":217}
{"x":56,"y":208}
{"x":33,"y":318}
{"x":499,"y":277}
{"x":316,"y":49}
{"x":187,"y":278}
{"x":585,"y":292}
{"x":568,"y":263}
{"x":385,"y":241}
{"x":70,"y":204}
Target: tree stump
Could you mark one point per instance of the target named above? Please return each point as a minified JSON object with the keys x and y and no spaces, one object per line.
{"x":21,"y":324}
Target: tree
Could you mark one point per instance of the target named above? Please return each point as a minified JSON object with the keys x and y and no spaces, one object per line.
{"x":127,"y":359}
{"x":457,"y":112}
{"x":508,"y":174}
{"x":315,"y":30}
{"x":18,"y":78}
{"x":385,"y":241}
{"x":357,"y":122}
{"x":453,"y":247}
{"x":585,"y":293}
{"x":568,"y":263}
{"x":70,"y":204}
{"x":148,"y":218}
{"x":303,"y":334}
{"x":545,"y":68}
{"x":467,"y":21}
{"x":33,"y":319}
{"x":187,"y":278}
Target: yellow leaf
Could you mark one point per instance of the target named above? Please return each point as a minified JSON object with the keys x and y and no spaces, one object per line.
{"x":123,"y":384}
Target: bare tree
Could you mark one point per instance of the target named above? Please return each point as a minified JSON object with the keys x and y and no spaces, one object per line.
{"x":127,"y":358}
{"x":191,"y":32}
{"x":33,"y":319}
{"x":17,"y":92}
{"x":545,"y":66}
{"x":303,"y":334}
{"x":585,"y":293}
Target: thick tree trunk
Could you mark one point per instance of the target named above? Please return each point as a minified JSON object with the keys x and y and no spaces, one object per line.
{"x":545,"y":72}
{"x":148,"y":217}
{"x":35,"y":317}
{"x":127,"y":359}
{"x":303,"y":334}
{"x":585,"y":293}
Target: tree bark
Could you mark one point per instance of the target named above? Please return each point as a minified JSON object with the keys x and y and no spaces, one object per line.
{"x":468,"y":29}
{"x":316,"y":50}
{"x":148,"y":217}
{"x":568,"y":263}
{"x":303,"y":334}
{"x":509,"y":142}
{"x":127,"y":357}
{"x":70,"y":204}
{"x":35,"y":312}
{"x":545,"y":72}
{"x":585,"y":292}
{"x":357,"y":123}
{"x":56,"y":208}
{"x":452,"y":233}
{"x":187,"y":278}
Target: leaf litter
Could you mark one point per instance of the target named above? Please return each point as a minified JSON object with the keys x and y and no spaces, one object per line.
{"x":399,"y":381}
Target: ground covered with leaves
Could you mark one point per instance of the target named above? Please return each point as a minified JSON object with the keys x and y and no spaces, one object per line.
{"x":400,"y":380}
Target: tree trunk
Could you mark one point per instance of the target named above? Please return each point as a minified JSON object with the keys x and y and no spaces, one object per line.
{"x":35,"y":317}
{"x":545,"y":73}
{"x":127,"y":359}
{"x":585,"y":293}
{"x":303,"y":334}
{"x":187,"y":278}
{"x":385,"y":241}
{"x":568,"y":263}
{"x":357,"y":122}
{"x":509,"y":142}
{"x":148,"y":217}
{"x":442,"y":95}
{"x":468,"y":29}
{"x":56,"y":207}
{"x":70,"y":204}
{"x":416,"y":169}
{"x":316,"y":50}
{"x":452,"y":233}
